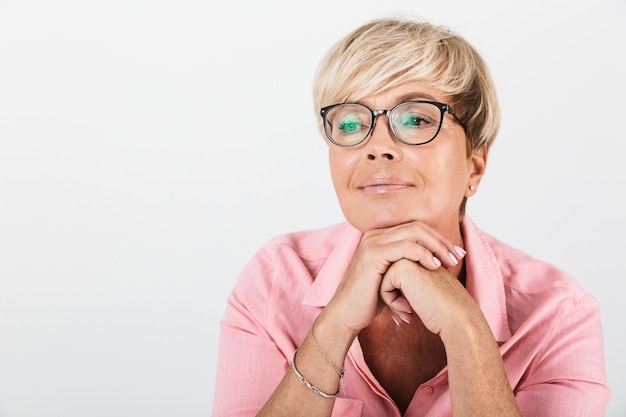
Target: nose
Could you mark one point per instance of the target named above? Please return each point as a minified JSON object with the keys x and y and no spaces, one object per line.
{"x":382,"y":143}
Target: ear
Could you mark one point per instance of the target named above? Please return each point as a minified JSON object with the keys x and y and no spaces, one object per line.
{"x":476,"y":165}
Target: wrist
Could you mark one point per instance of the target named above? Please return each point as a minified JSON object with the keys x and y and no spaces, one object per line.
{"x":332,"y":336}
{"x":466,"y":331}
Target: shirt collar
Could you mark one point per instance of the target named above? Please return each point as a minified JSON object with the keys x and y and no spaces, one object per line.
{"x":484,"y":279}
{"x":335,"y":267}
{"x":483,"y":276}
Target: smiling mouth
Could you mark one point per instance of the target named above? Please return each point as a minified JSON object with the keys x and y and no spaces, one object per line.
{"x":383,"y":187}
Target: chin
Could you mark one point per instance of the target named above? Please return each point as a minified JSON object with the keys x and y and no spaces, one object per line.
{"x":365,"y":221}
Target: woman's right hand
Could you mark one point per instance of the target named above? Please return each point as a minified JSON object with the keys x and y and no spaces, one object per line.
{"x":356,"y":301}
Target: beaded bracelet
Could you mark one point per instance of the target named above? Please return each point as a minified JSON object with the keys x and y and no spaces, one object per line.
{"x":307,"y":383}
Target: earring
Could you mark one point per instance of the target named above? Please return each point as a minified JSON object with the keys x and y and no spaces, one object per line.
{"x":471,"y":187}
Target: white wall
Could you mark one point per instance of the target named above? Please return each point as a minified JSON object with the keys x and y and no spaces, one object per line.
{"x":149,"y":148}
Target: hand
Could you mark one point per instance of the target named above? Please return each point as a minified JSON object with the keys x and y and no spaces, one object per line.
{"x":436,"y":296}
{"x":356,"y":301}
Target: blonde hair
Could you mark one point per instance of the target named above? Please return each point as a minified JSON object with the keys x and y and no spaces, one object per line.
{"x":387,"y":52}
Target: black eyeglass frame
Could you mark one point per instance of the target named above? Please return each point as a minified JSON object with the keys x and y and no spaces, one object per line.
{"x":444,"y":108}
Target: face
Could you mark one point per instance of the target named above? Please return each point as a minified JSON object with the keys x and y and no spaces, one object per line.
{"x":383,"y":182}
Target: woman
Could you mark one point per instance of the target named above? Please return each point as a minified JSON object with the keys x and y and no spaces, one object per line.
{"x":408,"y":308}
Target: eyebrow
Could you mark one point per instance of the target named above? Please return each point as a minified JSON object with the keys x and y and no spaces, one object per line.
{"x":416,"y":96}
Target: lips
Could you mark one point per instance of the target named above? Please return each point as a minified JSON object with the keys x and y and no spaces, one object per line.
{"x":383,"y":184}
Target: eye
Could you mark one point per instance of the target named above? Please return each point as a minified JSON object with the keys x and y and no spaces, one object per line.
{"x":413,"y":119}
{"x":350,"y":124}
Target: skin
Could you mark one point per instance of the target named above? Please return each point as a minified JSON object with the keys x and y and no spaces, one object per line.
{"x":407,"y":269}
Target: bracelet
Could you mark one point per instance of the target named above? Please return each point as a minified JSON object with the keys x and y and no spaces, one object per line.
{"x":307,"y":383}
{"x":341,"y":372}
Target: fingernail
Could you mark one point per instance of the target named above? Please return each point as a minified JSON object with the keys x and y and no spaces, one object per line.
{"x":404,"y":319}
{"x":453,"y":258}
{"x":395,"y":320}
{"x":436,"y":261}
{"x":460,"y":251}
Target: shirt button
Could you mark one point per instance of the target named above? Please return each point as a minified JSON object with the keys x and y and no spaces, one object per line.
{"x":428,"y":390}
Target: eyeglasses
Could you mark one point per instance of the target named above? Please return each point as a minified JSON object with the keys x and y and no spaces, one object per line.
{"x":413,"y":122}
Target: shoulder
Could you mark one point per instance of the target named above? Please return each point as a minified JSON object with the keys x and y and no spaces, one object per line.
{"x":312,"y":244}
{"x":528,"y":274}
{"x":294,"y":260}
{"x":522,"y":271}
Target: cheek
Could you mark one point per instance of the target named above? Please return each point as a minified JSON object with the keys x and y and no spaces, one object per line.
{"x":339,"y":168}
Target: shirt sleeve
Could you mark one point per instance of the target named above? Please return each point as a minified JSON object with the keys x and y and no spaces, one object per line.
{"x":569,"y":378}
{"x":250,"y":364}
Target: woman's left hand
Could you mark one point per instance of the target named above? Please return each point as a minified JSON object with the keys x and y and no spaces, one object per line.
{"x":436,"y":296}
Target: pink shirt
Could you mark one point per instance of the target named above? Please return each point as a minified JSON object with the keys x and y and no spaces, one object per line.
{"x":547,"y":326}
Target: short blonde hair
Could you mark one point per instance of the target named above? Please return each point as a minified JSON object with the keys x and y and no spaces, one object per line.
{"x":387,"y":52}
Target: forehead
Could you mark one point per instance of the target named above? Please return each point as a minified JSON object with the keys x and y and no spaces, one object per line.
{"x":388,"y":98}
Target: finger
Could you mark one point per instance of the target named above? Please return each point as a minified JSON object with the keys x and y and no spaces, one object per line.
{"x":400,"y":305}
{"x":392,"y":297}
{"x":445,"y":251}
{"x":423,"y":235}
{"x":416,"y":252}
{"x":400,"y":310}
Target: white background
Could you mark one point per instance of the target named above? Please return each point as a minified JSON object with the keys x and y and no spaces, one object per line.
{"x":148,"y":148}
